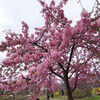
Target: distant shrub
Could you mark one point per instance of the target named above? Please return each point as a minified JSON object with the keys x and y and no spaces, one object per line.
{"x":56,"y":94}
{"x":96,"y":91}
{"x":82,"y":93}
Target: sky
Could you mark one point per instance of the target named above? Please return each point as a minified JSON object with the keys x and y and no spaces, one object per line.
{"x":12,"y":12}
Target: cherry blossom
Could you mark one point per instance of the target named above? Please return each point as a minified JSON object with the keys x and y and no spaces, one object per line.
{"x":57,"y":49}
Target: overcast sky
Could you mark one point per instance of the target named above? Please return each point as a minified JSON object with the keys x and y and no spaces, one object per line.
{"x":12,"y":12}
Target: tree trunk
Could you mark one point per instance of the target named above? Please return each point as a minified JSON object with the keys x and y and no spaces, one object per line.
{"x":68,"y":89}
{"x":47,"y":98}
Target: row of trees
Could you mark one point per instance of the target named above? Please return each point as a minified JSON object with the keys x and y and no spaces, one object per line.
{"x":55,"y":50}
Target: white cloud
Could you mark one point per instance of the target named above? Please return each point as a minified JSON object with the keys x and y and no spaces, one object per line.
{"x":5,"y":18}
{"x":2,"y":55}
{"x":1,"y":4}
{"x":73,"y":9}
{"x":88,"y":4}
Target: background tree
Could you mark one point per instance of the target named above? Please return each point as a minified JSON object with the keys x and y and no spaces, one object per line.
{"x":57,"y":48}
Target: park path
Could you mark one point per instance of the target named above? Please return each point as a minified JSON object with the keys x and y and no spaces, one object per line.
{"x":56,"y":99}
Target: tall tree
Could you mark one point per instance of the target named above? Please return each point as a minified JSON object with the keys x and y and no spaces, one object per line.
{"x":55,"y":50}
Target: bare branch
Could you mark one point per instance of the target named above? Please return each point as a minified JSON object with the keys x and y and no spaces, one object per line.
{"x":44,"y":31}
{"x":16,"y":69}
{"x":56,"y":18}
{"x":55,"y":73}
{"x":39,"y":46}
{"x":71,"y":75}
{"x":75,"y":83}
{"x":97,"y":74}
{"x":61,"y":66}
{"x":4,"y":82}
{"x":72,"y":49}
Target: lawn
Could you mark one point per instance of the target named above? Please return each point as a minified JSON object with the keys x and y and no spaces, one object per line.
{"x":22,"y":97}
{"x":65,"y":98}
{"x":92,"y":98}
{"x":18,"y":97}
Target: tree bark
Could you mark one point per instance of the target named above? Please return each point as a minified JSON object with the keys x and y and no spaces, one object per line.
{"x":68,"y":89}
{"x":47,"y":98}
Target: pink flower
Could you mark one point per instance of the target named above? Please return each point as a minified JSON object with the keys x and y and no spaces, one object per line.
{"x":98,"y":22}
{"x":84,"y":14}
{"x":55,"y":54}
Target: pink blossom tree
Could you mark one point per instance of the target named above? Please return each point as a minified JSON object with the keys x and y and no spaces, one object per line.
{"x":55,"y":50}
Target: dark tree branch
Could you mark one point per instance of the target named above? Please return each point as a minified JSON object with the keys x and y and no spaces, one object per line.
{"x":44,"y":31}
{"x":55,"y":17}
{"x":55,"y":73}
{"x":75,"y":83}
{"x":16,"y":68}
{"x":4,"y":83}
{"x":72,"y":49}
{"x":23,"y":52}
{"x":1,"y":65}
{"x":97,"y":74}
{"x":27,"y":79}
{"x":71,"y":75}
{"x":39,"y":46}
{"x":61,"y":66}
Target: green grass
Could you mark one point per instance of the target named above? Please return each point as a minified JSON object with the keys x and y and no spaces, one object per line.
{"x":92,"y":98}
{"x":65,"y":98}
{"x":18,"y":97}
{"x":22,"y":97}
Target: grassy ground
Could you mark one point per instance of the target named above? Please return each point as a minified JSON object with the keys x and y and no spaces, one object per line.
{"x":65,"y":98}
{"x":22,"y":97}
{"x":92,"y":98}
{"x":18,"y":97}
